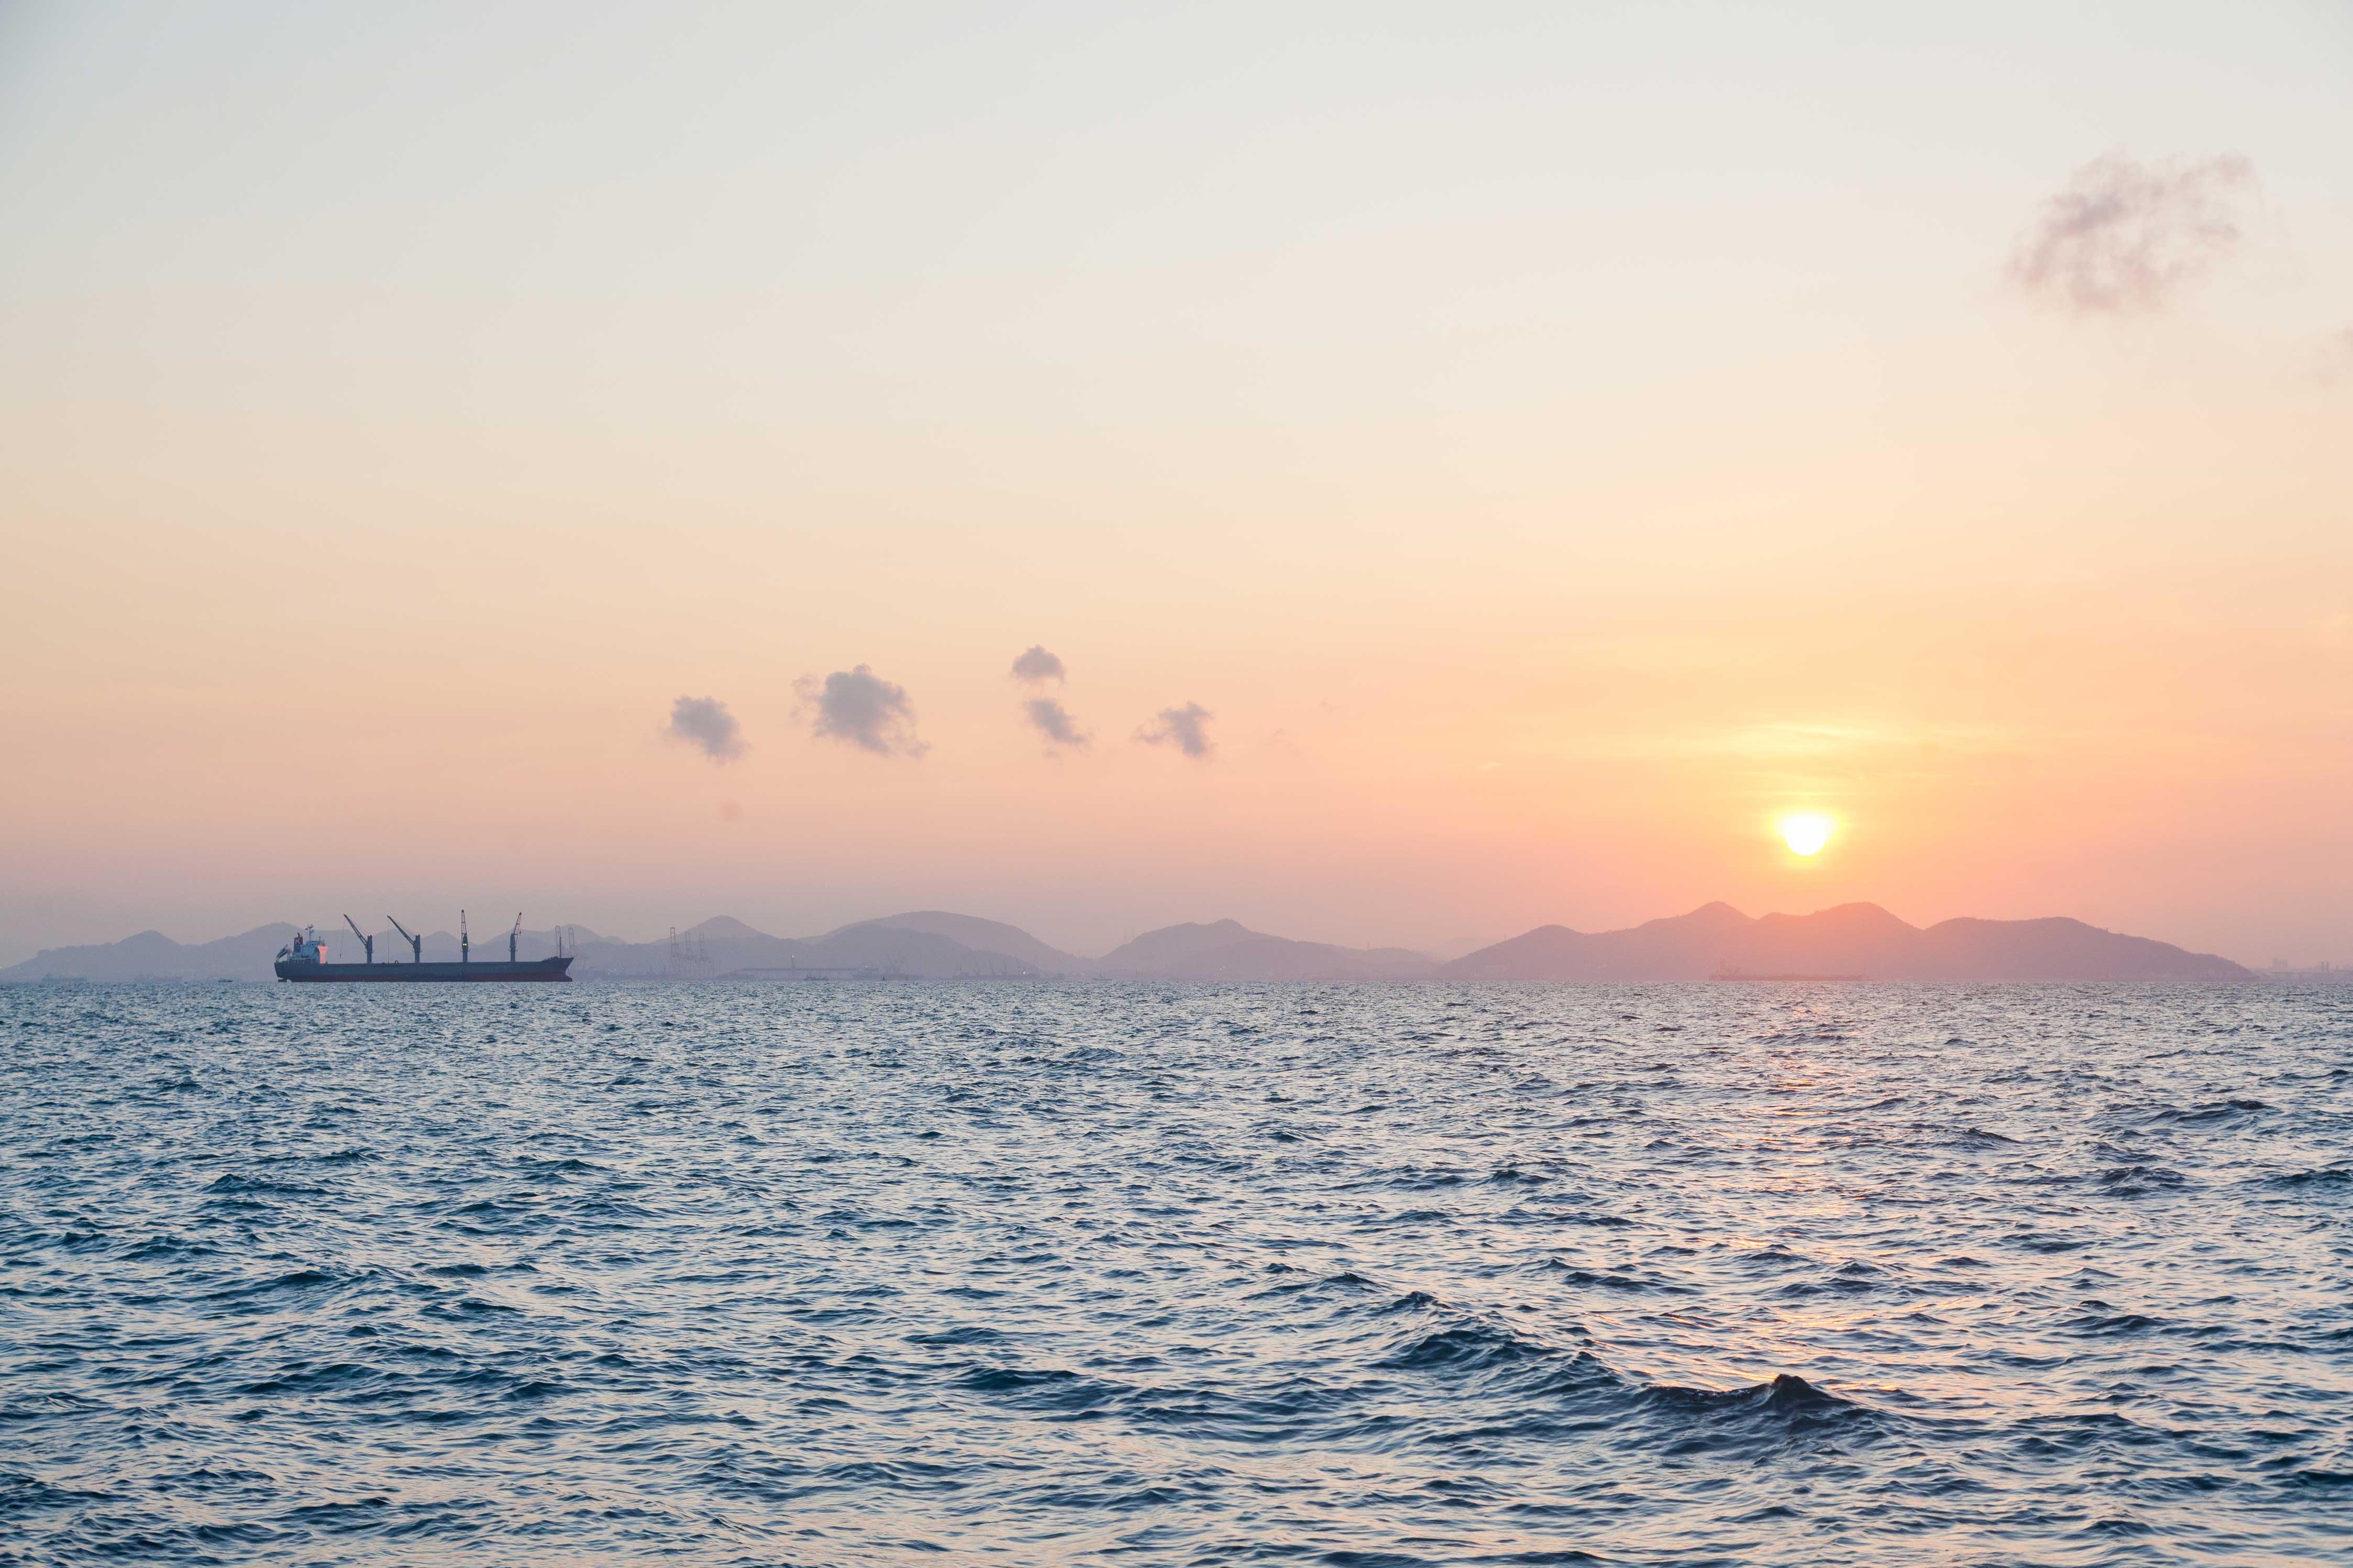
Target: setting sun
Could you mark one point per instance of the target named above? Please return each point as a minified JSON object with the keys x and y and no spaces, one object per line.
{"x":1806,"y":832}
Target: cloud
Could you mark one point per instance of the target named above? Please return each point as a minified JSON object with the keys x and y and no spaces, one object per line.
{"x":2126,"y":237}
{"x":1185,"y":728}
{"x":704,"y":721}
{"x":1038,"y":665}
{"x":1051,"y":720}
{"x":2335,"y":362}
{"x":862,"y":708}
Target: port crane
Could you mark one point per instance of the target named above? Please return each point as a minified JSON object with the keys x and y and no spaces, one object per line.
{"x":513,"y":935}
{"x":415,"y":943}
{"x":366,"y":940}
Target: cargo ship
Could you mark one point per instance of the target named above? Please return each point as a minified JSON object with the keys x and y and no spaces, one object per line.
{"x":305,"y":959}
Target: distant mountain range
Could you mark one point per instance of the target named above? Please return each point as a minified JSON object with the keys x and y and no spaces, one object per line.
{"x":1717,"y":940}
{"x":1230,"y":951}
{"x":1852,"y":939}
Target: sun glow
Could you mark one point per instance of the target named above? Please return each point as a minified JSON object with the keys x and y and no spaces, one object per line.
{"x":1806,"y":832}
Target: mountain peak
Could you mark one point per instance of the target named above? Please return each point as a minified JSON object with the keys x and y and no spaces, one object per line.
{"x":1856,"y":939}
{"x":1229,"y":950}
{"x":984,"y":936}
{"x":719,"y":927}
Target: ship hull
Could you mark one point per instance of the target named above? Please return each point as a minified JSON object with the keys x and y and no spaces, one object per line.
{"x":541,"y":969}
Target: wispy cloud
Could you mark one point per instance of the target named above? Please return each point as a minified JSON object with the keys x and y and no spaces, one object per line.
{"x":704,"y":722}
{"x":1051,"y":720}
{"x":2125,"y":236}
{"x":1038,"y":665}
{"x":1185,"y":728}
{"x":2333,"y":363}
{"x":859,"y":707}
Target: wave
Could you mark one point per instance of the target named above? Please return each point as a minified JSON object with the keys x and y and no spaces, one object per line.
{"x":234,"y":1185}
{"x":1495,"y":1358}
{"x":2139,"y":1180}
{"x":2323,"y":1176}
{"x":1784,"y":1394}
{"x":1567,"y":1273}
{"x":2206,"y":1115}
{"x":1469,"y":1346}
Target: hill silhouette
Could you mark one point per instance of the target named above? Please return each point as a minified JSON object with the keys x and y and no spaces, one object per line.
{"x":915,"y":944}
{"x":1852,"y":939}
{"x":1228,"y":949}
{"x":982,"y":936}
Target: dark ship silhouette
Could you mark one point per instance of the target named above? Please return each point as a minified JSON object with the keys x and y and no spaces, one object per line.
{"x":305,"y":959}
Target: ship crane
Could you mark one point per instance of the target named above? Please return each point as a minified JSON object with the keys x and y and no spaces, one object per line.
{"x":415,"y":943}
{"x":512,"y":935}
{"x":366,"y":940}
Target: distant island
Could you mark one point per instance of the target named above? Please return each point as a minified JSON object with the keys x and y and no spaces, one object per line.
{"x":1715,"y":941}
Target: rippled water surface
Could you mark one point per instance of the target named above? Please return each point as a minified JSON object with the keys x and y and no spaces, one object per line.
{"x":1754,"y":1275}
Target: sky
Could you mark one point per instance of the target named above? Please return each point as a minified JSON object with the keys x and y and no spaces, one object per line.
{"x":1389,"y":475}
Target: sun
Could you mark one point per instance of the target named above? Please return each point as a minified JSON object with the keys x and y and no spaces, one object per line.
{"x":1805,"y":832}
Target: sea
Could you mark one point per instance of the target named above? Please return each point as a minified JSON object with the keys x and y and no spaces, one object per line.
{"x":1035,"y":1273}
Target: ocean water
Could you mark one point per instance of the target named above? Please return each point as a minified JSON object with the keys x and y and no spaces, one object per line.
{"x":1162,"y":1274}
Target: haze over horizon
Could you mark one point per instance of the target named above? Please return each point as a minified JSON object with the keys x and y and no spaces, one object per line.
{"x":1391,"y":478}
{"x":443,"y":941}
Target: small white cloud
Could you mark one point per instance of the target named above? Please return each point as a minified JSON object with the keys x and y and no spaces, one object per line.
{"x":1185,"y":728}
{"x":1038,"y":665}
{"x":1051,"y":720}
{"x":704,"y":723}
{"x":861,"y":708}
{"x":2125,"y":236}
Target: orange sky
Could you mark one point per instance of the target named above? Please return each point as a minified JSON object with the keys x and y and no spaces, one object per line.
{"x":1549,"y":448}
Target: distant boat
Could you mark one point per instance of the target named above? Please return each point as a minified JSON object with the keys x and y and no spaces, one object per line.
{"x":1724,"y":971}
{"x":305,"y":959}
